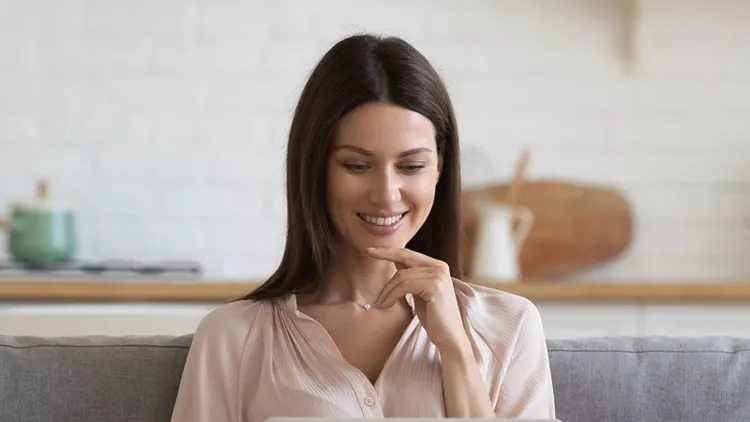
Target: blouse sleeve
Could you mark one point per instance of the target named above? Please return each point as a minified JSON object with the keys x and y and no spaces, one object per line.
{"x":209,"y":384}
{"x":526,"y":389}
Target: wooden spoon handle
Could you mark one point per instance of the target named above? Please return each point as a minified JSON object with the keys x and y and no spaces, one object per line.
{"x":514,"y":190}
{"x":42,"y":189}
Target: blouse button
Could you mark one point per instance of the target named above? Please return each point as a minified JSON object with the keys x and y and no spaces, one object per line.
{"x":369,"y":401}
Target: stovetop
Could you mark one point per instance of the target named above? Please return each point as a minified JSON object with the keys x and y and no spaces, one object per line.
{"x":102,"y":267}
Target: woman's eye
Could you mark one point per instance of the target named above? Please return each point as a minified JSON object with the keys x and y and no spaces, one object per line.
{"x":413,"y":168}
{"x":356,"y":168}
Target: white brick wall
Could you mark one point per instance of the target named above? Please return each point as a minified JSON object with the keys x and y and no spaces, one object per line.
{"x":165,"y":121}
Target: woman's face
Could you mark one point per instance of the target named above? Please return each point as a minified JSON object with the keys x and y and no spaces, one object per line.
{"x":382,"y":174}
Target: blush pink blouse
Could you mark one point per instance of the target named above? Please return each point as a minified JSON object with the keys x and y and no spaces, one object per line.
{"x":253,"y":360}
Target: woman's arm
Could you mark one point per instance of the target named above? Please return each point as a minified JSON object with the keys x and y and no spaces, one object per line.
{"x":526,"y":387}
{"x":464,"y":392}
{"x":208,"y":387}
{"x":431,"y":285}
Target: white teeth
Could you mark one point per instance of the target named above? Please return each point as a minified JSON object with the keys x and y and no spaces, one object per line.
{"x":380,"y":221}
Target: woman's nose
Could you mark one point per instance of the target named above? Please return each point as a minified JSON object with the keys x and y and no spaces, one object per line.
{"x":386,"y":190}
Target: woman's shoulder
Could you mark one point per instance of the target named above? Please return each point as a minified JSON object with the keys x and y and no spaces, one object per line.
{"x":497,"y":315}
{"x":479,"y":298}
{"x":233,"y":320}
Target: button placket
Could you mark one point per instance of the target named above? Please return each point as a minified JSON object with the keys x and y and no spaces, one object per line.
{"x":366,"y":394}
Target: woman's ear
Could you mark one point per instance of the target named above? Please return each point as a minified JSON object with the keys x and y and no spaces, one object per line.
{"x":439,"y":167}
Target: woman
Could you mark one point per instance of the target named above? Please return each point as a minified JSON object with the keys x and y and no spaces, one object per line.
{"x":365,"y":315}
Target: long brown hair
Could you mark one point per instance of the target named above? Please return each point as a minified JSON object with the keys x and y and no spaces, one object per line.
{"x":357,"y":70}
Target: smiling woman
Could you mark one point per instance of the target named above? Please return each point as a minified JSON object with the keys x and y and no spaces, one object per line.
{"x":366,"y":315}
{"x":382,"y":175}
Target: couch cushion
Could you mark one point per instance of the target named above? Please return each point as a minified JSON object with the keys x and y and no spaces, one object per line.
{"x":602,"y":379}
{"x":652,"y":379}
{"x":90,"y":378}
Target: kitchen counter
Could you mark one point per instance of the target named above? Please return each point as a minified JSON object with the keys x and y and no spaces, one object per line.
{"x":207,"y":291}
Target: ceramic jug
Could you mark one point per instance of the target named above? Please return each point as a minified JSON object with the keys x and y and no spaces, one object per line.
{"x":499,"y":241}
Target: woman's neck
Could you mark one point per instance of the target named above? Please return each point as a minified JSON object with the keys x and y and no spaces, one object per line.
{"x":353,"y":274}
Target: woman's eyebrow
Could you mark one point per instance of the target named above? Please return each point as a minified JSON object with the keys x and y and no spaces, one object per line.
{"x":370,"y":154}
{"x":414,"y":151}
{"x":355,"y":149}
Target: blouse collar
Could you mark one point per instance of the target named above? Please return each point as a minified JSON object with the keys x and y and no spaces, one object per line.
{"x":290,"y":303}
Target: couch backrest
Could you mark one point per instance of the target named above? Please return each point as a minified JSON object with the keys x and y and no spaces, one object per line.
{"x":652,"y":379}
{"x":90,"y":378}
{"x":601,"y":379}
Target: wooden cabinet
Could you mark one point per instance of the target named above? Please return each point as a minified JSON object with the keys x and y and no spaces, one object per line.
{"x":568,"y":309}
{"x":585,"y":320}
{"x":561,"y":320}
{"x":696,"y":320}
{"x":78,"y":319}
{"x":589,"y":320}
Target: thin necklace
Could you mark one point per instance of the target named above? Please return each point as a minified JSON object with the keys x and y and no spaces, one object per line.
{"x":362,"y":300}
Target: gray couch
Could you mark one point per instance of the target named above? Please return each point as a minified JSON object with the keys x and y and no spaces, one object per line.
{"x":598,"y":380}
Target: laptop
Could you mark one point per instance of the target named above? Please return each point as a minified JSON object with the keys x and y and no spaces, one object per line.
{"x":333,"y":419}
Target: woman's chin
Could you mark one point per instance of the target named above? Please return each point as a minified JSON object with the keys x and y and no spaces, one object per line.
{"x":395,"y":243}
{"x":363,"y":240}
{"x":384,"y":245}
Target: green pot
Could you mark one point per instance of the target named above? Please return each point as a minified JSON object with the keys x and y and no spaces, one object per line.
{"x":41,"y":230}
{"x":41,"y":235}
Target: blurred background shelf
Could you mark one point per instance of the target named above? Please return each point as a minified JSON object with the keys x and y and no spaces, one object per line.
{"x":159,"y":290}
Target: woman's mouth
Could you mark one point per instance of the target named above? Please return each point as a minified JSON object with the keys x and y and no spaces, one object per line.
{"x":382,"y":226}
{"x":382,"y":221}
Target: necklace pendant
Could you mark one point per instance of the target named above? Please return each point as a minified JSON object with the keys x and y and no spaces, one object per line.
{"x":367,"y":306}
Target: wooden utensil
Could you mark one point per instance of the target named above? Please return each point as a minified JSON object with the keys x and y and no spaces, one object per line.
{"x":514,"y":190}
{"x":576,"y":225}
{"x":42,"y":191}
